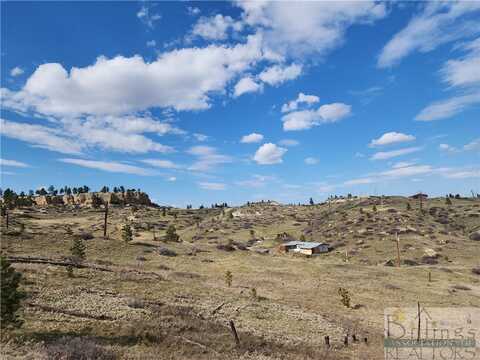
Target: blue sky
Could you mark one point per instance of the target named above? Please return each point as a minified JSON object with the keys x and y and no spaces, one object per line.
{"x":202,"y":102}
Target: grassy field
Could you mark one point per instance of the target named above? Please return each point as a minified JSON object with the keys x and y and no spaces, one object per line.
{"x":132,"y":302}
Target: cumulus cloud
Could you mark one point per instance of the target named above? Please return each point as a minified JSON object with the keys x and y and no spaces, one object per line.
{"x":301,"y":99}
{"x":269,"y":154}
{"x":246,"y":85}
{"x":252,"y":138}
{"x":437,"y":24}
{"x":16,"y":71}
{"x":277,"y":74}
{"x":212,"y":186}
{"x":384,"y":155}
{"x":14,"y":163}
{"x":448,"y":108}
{"x":311,"y":161}
{"x":256,"y":181}
{"x":215,"y":27}
{"x":391,"y":138}
{"x":200,"y":137}
{"x":306,"y":119}
{"x":473,"y":145}
{"x":298,"y":29}
{"x":447,"y":148}
{"x":181,"y":79}
{"x":111,"y":166}
{"x":207,"y":158}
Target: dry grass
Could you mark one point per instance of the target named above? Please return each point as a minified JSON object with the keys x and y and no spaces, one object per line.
{"x":178,"y":307}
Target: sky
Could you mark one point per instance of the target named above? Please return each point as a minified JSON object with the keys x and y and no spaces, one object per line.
{"x":203,"y":102}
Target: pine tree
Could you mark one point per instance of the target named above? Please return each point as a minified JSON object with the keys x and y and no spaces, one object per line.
{"x":171,"y":234}
{"x":78,"y":250}
{"x":312,"y":202}
{"x":409,"y":207}
{"x":10,"y":294}
{"x":448,"y":201}
{"x":127,"y":234}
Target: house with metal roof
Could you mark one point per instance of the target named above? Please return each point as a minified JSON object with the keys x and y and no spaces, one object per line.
{"x":304,"y":247}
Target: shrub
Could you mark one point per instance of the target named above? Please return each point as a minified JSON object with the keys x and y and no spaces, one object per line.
{"x":78,"y":250}
{"x":409,"y":207}
{"x":344,"y":297}
{"x":253,"y":294}
{"x":127,"y":234}
{"x":10,"y":295}
{"x":228,"y":278}
{"x":171,"y":234}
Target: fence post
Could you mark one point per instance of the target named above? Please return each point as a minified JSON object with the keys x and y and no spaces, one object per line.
{"x":327,"y":340}
{"x":234,"y":332}
{"x":105,"y":221}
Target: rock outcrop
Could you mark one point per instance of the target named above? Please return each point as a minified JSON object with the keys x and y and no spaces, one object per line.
{"x":92,"y":198}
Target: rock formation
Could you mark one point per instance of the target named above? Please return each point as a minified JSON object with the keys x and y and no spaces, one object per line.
{"x":87,"y":199}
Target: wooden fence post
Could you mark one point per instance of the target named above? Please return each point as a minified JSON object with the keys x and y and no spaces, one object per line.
{"x":6,"y":219}
{"x":234,"y":332}
{"x":398,"y":249}
{"x":105,"y":221}
{"x":345,"y":340}
{"x":327,"y":340}
{"x":419,"y":322}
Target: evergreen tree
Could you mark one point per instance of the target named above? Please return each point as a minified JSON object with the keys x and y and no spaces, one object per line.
{"x":51,"y":189}
{"x":78,"y":250}
{"x":68,"y":191}
{"x":171,"y":234}
{"x":10,"y":198}
{"x":311,"y":202}
{"x":409,"y":207}
{"x":448,"y":201}
{"x":10,"y":294}
{"x":127,"y":234}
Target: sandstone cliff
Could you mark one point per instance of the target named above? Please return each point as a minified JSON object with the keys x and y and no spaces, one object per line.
{"x":88,"y":199}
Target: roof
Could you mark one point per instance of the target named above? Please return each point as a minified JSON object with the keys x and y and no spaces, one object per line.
{"x":303,"y":244}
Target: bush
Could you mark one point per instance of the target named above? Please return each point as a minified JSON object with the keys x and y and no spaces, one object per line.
{"x":344,"y":297}
{"x":11,"y":296}
{"x":127,"y":234}
{"x":78,"y":250}
{"x":228,"y":278}
{"x":171,"y":234}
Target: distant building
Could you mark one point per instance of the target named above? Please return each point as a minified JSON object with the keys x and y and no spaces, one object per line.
{"x":419,"y":196}
{"x":304,"y":247}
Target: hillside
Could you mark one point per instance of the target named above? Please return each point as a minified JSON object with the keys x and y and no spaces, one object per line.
{"x":153,"y":299}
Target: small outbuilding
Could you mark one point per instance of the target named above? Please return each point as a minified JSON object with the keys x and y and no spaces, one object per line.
{"x":419,"y":196}
{"x":304,"y":247}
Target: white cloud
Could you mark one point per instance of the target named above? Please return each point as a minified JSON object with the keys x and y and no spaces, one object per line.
{"x":391,"y":138}
{"x":166,"y":164}
{"x":151,"y":43}
{"x":463,"y":174}
{"x":5,"y":162}
{"x":207,"y":158}
{"x":16,"y":71}
{"x":297,"y":29}
{"x":251,"y":138}
{"x":288,"y":142}
{"x":447,"y":148}
{"x":200,"y":137}
{"x":360,"y":181}
{"x":402,"y":164}
{"x":181,"y":79}
{"x":276,"y":74}
{"x":464,"y":71}
{"x":172,"y":179}
{"x":212,"y":186}
{"x":406,"y":171}
{"x":301,"y":99}
{"x":306,"y":119}
{"x":193,"y":11}
{"x":147,"y":16}
{"x":246,"y":85}
{"x":112,"y":166}
{"x":447,"y":108}
{"x":311,"y":161}
{"x":257,"y":181}
{"x":269,"y":154}
{"x":40,"y":137}
{"x":383,"y":155}
{"x":437,"y":24}
{"x":215,"y":27}
{"x":473,"y":145}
